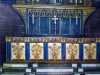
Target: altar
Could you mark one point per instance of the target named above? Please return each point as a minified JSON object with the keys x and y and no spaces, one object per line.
{"x":52,"y":50}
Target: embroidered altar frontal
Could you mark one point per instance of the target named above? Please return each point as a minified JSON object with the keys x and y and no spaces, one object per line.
{"x":52,"y":49}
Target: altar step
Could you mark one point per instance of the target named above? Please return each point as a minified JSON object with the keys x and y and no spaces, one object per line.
{"x":50,"y":69}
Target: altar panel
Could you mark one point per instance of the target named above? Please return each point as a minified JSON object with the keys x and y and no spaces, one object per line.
{"x":54,"y":51}
{"x":17,"y":51}
{"x":89,"y":51}
{"x":36,"y":51}
{"x":72,"y":51}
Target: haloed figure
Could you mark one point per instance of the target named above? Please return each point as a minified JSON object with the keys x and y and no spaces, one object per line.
{"x":36,"y":51}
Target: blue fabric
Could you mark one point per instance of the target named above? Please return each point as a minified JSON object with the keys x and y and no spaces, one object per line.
{"x":75,"y":28}
{"x":81,"y":52}
{"x":98,"y":51}
{"x":43,"y":1}
{"x":33,"y":28}
{"x":46,"y":52}
{"x":27,"y":52}
{"x":63,"y":51}
{"x":8,"y":52}
{"x":44,"y":25}
{"x":65,"y":27}
{"x":27,"y":1}
{"x":30,"y":30}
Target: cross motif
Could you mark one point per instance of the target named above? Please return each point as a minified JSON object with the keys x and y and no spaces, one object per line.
{"x":55,"y":19}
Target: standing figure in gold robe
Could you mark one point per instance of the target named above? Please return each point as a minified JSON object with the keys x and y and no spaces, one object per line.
{"x":90,"y":51}
{"x":54,"y":51}
{"x":72,"y":51}
{"x":17,"y":50}
{"x":36,"y":51}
